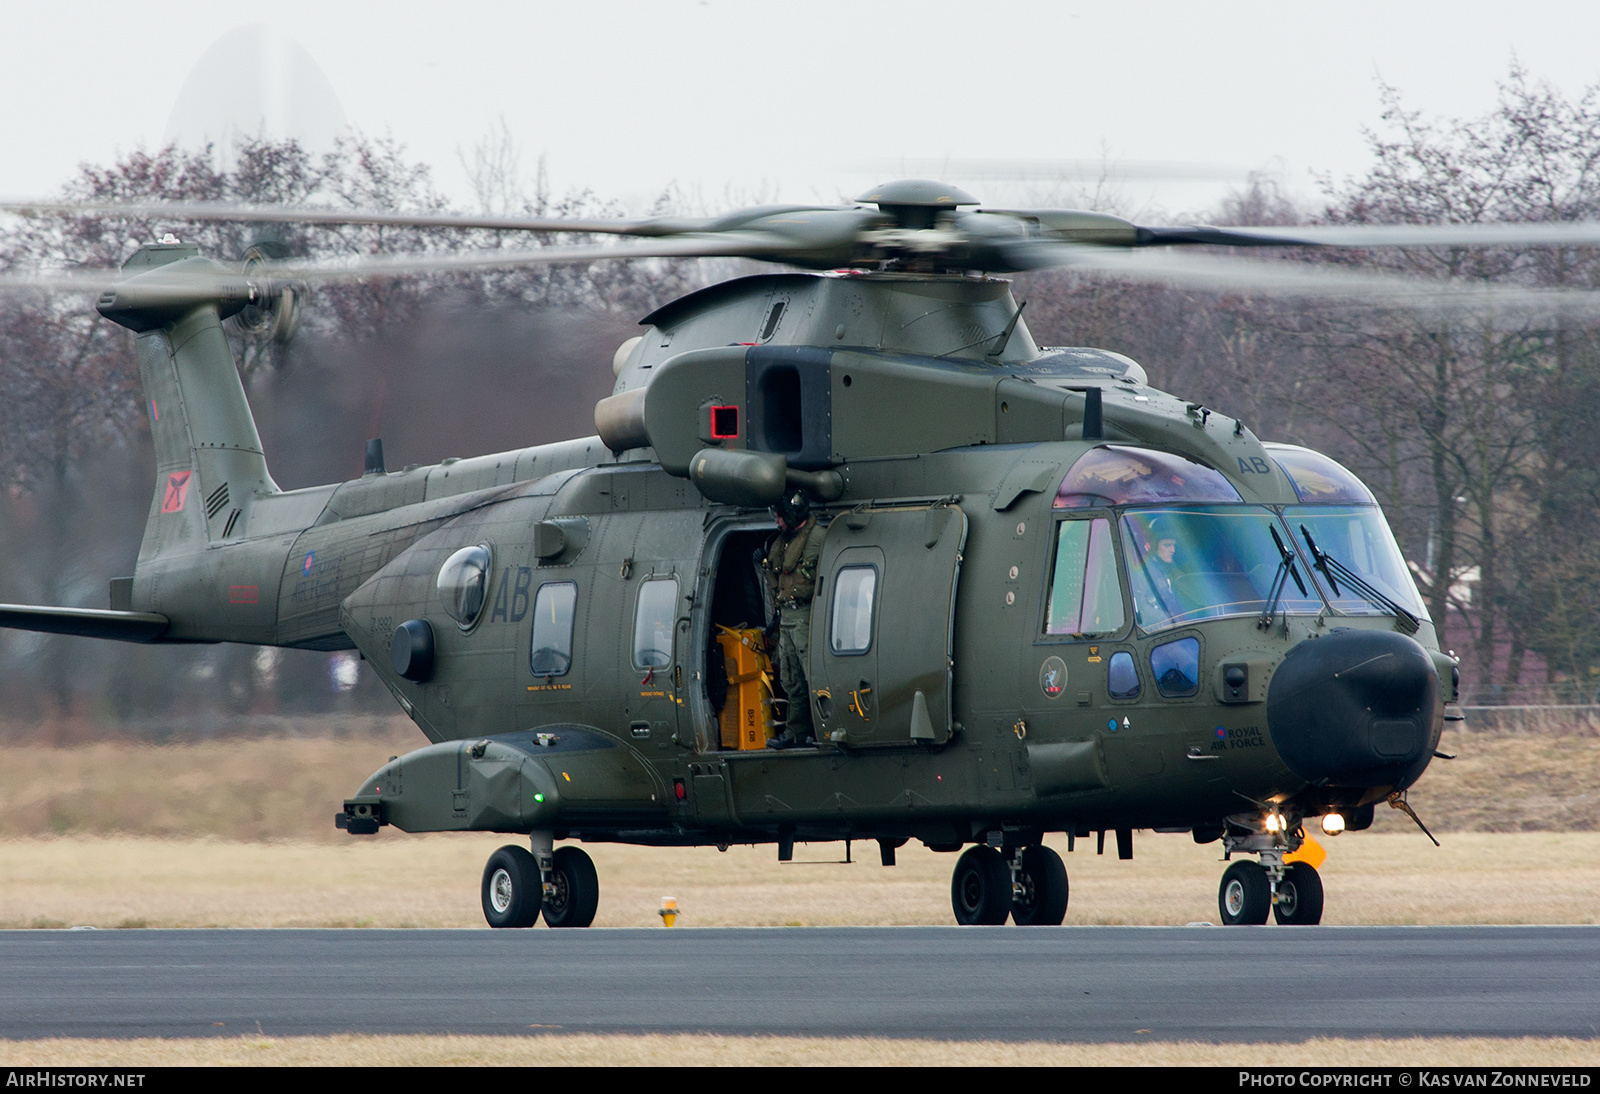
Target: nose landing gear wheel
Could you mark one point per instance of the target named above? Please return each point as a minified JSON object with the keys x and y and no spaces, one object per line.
{"x":1299,"y":896}
{"x":1245,"y":897}
{"x":980,"y":890}
{"x":1042,"y":901}
{"x":512,"y":888}
{"x":577,"y":889}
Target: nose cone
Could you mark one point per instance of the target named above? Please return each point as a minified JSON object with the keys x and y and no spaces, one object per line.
{"x":1356,"y":708}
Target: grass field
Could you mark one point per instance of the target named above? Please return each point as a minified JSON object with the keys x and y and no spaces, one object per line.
{"x":237,"y":832}
{"x":395,"y":880}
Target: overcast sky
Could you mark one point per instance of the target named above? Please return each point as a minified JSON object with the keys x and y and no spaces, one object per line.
{"x":804,"y":101}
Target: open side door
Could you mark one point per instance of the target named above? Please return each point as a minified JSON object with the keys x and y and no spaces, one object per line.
{"x":881,"y":624}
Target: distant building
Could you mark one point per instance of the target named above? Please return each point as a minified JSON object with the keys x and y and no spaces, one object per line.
{"x":255,"y":82}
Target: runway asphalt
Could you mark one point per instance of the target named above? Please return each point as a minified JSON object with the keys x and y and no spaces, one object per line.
{"x":1010,"y":983}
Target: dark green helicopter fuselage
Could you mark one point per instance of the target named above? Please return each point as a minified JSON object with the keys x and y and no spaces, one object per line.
{"x":990,"y":660}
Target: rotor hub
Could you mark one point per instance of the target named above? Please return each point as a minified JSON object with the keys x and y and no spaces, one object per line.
{"x":916,"y":203}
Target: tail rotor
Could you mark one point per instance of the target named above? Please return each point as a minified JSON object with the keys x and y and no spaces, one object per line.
{"x":275,"y":316}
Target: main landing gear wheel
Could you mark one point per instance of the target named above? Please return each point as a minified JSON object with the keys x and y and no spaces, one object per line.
{"x":1299,"y":901}
{"x":1039,"y":898}
{"x":577,"y":889}
{"x":1245,"y":896}
{"x":980,"y":891}
{"x":512,"y":888}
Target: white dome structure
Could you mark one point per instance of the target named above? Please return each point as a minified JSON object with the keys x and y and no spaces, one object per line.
{"x":255,"y":82}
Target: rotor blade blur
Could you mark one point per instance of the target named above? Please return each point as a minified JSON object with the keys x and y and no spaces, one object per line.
{"x":59,"y":281}
{"x":815,"y":249}
{"x":1222,"y":273}
{"x":402,"y":265}
{"x":1582,"y":233}
{"x":163,"y":210}
{"x":728,"y":245}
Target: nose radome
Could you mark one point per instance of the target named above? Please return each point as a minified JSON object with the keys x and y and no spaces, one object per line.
{"x":1356,"y":708}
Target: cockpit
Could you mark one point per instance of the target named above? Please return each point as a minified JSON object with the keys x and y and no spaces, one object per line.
{"x":1193,"y":549}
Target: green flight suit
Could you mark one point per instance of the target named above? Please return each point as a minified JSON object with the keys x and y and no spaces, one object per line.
{"x":791,"y":570}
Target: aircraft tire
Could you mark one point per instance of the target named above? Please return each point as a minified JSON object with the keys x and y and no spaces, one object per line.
{"x":577,"y":888}
{"x":1245,"y":896}
{"x":512,"y":888}
{"x":1299,"y":896}
{"x":980,"y":890}
{"x":1044,"y":883}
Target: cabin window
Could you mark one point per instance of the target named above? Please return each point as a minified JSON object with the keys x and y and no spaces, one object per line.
{"x":1119,"y":475}
{"x":652,"y":626}
{"x":1122,"y":678}
{"x":553,"y":611}
{"x":1176,"y":666}
{"x":850,"y":627}
{"x":464,"y":583}
{"x":1085,"y":595}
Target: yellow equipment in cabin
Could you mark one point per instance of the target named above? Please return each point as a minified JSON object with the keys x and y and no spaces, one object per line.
{"x":746,"y":718}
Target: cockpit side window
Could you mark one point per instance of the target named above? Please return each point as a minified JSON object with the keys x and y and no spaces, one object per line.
{"x":1085,"y":595}
{"x":550,"y":652}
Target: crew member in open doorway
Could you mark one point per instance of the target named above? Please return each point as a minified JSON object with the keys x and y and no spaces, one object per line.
{"x":791,"y":571}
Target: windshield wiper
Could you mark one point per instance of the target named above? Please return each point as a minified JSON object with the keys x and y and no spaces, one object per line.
{"x":1286,"y":570}
{"x":1331,"y":566}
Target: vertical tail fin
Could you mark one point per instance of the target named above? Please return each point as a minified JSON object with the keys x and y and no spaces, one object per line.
{"x":209,"y":461}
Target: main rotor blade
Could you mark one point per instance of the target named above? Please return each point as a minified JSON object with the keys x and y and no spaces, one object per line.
{"x":727,"y":245}
{"x":1579,"y":233}
{"x":93,"y":282}
{"x":1222,"y":273}
{"x":757,"y":245}
{"x":211,"y":210}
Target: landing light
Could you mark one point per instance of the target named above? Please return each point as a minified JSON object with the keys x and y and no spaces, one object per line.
{"x":1274,"y":822}
{"x":1333,"y":823}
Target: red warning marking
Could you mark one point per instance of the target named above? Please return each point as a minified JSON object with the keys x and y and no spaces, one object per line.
{"x":177,"y":491}
{"x":724,"y":423}
{"x":244,"y":594}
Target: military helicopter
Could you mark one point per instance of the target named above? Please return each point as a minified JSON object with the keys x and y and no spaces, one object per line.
{"x":1050,"y":598}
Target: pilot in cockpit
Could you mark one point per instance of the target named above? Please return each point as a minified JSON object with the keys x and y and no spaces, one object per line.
{"x":1161,"y":564}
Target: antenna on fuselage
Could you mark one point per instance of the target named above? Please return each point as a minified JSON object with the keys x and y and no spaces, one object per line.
{"x":1093,"y":416}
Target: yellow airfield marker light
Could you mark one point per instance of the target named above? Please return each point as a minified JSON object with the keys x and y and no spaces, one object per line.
{"x":669,"y":910}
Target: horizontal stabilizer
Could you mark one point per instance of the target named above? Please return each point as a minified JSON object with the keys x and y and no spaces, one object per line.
{"x":85,"y":622}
